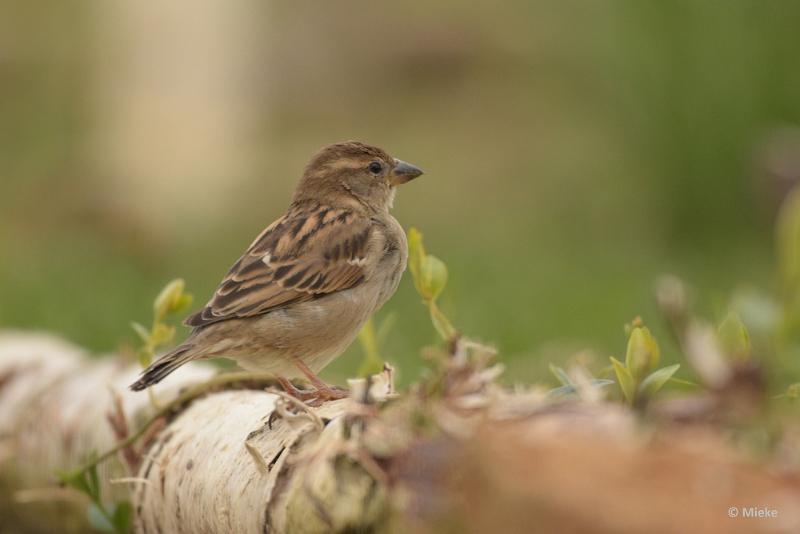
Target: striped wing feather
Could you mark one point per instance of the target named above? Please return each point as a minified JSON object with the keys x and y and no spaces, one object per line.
{"x":307,"y":253}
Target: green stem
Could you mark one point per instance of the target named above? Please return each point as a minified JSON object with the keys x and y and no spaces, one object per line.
{"x":372,"y":362}
{"x":441,"y":322}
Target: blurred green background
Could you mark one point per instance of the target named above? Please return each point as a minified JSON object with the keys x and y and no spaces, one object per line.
{"x":573,"y":151}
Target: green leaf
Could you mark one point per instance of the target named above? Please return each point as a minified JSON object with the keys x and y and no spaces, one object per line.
{"x":433,"y":277}
{"x":86,"y":482}
{"x":682,"y":382}
{"x":162,"y":334}
{"x":430,"y":278}
{"x":121,"y":517}
{"x":625,"y":380}
{"x":76,"y":480}
{"x":657,"y":379}
{"x":168,"y":298}
{"x":560,"y":375}
{"x":733,"y":337}
{"x":642,"y":354}
{"x":182,"y":303}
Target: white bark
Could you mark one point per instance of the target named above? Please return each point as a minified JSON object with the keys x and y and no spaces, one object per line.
{"x":216,"y":467}
{"x":223,"y":441}
{"x":223,"y":466}
{"x":54,"y":401}
{"x":30,"y":363}
{"x":458,"y":452}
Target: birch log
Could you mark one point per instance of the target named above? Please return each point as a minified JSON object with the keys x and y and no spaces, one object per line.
{"x":261,"y":488}
{"x":455,"y":453}
{"x":54,"y":403}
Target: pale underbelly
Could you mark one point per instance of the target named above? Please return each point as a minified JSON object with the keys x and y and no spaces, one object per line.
{"x":315,"y":332}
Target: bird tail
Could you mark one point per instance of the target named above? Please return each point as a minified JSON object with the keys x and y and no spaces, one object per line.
{"x":163,"y":366}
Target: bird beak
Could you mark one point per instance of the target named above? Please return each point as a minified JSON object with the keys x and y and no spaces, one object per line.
{"x":403,"y":172}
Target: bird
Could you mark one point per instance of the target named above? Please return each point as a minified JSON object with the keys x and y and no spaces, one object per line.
{"x":303,"y":289}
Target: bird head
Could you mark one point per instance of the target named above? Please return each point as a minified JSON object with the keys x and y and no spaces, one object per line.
{"x":354,"y":172}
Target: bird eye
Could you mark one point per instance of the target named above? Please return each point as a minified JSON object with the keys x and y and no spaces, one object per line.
{"x":375,"y":167}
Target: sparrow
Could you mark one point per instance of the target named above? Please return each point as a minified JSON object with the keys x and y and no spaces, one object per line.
{"x":303,"y":289}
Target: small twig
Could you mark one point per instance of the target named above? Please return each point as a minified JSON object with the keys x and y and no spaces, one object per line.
{"x":185,"y":397}
{"x":119,"y":425}
{"x":316,"y":419}
{"x":129,"y":480}
{"x":149,"y":436}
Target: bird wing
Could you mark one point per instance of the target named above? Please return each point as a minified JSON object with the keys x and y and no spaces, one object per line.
{"x":303,"y":255}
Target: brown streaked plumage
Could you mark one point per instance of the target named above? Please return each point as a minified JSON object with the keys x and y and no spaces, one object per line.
{"x":304,"y":288}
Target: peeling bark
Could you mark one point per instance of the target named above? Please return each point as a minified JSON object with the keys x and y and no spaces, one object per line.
{"x":271,"y":479}
{"x":456,"y":453}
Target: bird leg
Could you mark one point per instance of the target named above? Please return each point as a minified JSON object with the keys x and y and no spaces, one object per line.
{"x":312,"y":397}
{"x":322,"y":392}
{"x":302,"y":394}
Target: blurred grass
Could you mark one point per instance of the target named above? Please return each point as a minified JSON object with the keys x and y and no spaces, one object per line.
{"x":573,"y":152}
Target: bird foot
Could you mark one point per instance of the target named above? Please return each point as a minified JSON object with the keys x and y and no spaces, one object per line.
{"x":314,"y":397}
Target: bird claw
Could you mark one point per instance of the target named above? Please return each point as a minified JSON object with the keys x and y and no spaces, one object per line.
{"x":314,"y":397}
{"x":332,"y":393}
